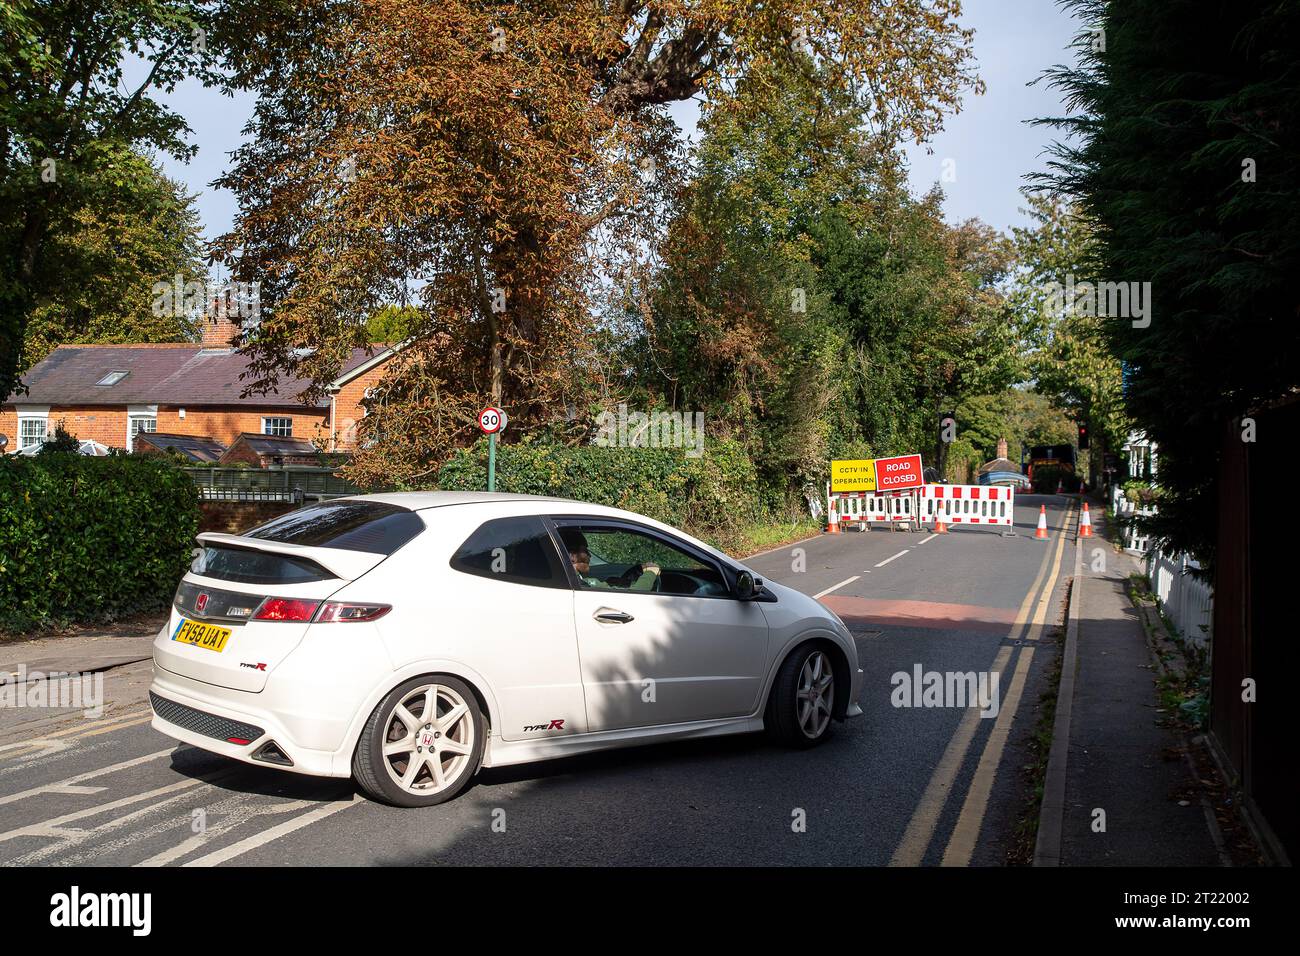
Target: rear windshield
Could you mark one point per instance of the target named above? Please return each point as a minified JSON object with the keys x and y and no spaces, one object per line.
{"x":347,"y":525}
{"x":256,"y":567}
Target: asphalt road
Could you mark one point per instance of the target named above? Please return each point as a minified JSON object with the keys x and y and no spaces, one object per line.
{"x":901,"y":785}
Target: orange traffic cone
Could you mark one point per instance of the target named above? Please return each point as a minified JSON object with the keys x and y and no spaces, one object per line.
{"x":1085,"y":523}
{"x":939,"y":526}
{"x":1060,"y":486}
{"x":833,"y":519}
{"x":1041,"y":531}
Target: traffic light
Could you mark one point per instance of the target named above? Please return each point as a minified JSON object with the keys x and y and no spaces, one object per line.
{"x":1083,"y":437}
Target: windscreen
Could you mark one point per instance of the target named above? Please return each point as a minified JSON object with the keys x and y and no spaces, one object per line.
{"x":369,"y":526}
{"x":256,"y":567}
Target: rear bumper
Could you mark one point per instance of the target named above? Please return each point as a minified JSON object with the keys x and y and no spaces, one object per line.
{"x":204,"y":717}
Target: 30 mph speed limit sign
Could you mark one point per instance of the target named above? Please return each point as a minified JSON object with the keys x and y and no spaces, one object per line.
{"x":492,"y":420}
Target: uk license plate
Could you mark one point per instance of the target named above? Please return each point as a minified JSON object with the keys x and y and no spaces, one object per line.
{"x":207,"y":636}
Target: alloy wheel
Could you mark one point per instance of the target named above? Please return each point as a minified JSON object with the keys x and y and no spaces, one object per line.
{"x":428,"y":739}
{"x":815,"y":695}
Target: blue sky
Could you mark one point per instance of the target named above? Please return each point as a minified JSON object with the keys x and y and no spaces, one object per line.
{"x":988,"y":141}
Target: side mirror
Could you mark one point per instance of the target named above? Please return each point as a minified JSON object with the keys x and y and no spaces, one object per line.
{"x":747,"y":586}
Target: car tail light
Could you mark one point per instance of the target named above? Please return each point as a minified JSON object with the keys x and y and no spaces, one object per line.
{"x":337,"y":611}
{"x":285,"y":609}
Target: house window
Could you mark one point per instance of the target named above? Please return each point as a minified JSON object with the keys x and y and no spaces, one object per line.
{"x":32,"y":431}
{"x":140,"y":423}
{"x":112,"y":378}
{"x":280,"y":427}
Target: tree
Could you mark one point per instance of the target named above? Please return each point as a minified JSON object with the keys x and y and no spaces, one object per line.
{"x":110,"y":256}
{"x":392,"y":324}
{"x":68,"y":119}
{"x":506,"y":168}
{"x":1064,"y":331}
{"x":1020,"y":415}
{"x":1183,"y":145}
{"x":807,"y":302}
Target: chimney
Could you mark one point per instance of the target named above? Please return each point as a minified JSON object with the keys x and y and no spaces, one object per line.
{"x":1002,"y":448}
{"x":219,"y":330}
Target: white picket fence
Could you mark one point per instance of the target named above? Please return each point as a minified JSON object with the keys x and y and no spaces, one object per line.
{"x":1124,"y":510}
{"x":1187,"y":601}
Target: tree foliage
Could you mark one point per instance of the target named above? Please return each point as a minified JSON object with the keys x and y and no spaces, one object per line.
{"x":1184,"y":148}
{"x":110,"y":256}
{"x":508,"y":168}
{"x":807,"y":301}
{"x":71,"y":112}
{"x":1067,"y":352}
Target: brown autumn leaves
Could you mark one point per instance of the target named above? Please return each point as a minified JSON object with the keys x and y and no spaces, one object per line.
{"x":509,"y":170}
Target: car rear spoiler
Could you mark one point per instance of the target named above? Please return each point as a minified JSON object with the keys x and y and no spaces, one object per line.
{"x":348,"y":565}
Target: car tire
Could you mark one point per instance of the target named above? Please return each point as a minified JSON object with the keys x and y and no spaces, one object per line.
{"x":802,"y":698}
{"x":420,"y":759}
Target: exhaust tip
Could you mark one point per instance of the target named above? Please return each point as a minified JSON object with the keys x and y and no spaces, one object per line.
{"x":271,"y":753}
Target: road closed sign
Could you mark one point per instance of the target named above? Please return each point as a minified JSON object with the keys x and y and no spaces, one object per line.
{"x":899,"y":474}
{"x":853,"y":475}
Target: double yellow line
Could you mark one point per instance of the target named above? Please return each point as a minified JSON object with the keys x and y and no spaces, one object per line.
{"x":920,"y":829}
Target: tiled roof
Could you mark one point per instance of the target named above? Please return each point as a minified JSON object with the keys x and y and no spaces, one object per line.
{"x":161,"y":374}
{"x":999,"y":464}
{"x":276,"y":444}
{"x":198,"y":447}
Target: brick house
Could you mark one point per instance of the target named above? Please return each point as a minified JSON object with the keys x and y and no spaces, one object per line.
{"x":110,"y":393}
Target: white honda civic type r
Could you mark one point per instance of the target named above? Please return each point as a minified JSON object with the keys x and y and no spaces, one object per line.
{"x":406,"y":640}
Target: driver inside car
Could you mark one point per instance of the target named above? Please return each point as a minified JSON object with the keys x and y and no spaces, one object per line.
{"x":639,"y":577}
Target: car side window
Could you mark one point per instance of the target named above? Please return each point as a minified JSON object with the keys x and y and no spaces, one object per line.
{"x":518,"y":550}
{"x":623,"y":559}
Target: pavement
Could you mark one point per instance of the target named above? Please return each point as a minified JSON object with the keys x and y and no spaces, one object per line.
{"x":1127,"y":793}
{"x":122,"y":662}
{"x":901,"y":785}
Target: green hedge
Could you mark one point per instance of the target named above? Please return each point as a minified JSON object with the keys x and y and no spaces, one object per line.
{"x":88,"y":539}
{"x":708,"y":496}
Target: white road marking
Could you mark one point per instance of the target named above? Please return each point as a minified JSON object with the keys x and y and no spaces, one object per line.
{"x":74,"y":838}
{"x":895,"y":557}
{"x":821,"y":594}
{"x":237,"y":812}
{"x":924,"y":540}
{"x":257,"y":840}
{"x":70,"y":785}
{"x":104,"y":808}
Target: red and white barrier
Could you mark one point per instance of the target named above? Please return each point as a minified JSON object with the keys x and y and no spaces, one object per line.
{"x":988,"y":505}
{"x":864,"y":508}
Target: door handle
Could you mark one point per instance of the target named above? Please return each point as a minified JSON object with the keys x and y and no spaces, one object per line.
{"x":607,"y":615}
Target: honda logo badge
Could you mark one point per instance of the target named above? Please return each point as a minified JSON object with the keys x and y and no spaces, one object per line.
{"x":201,"y":601}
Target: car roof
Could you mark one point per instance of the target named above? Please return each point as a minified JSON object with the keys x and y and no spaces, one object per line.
{"x":524,"y":504}
{"x":419,"y":500}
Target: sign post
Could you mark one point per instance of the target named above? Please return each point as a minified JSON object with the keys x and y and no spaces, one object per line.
{"x":492,"y":421}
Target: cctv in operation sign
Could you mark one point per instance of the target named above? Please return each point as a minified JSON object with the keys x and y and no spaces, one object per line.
{"x":853,"y":475}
